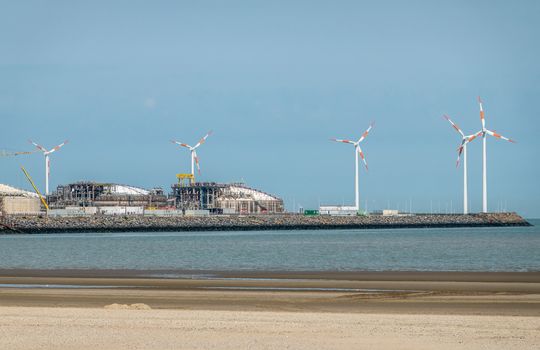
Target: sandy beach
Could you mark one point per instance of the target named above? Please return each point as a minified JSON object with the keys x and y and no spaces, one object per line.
{"x":59,"y":309}
{"x":75,"y":328}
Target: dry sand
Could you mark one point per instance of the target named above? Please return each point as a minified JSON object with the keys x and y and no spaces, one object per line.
{"x":272,"y":311}
{"x":78,"y":328}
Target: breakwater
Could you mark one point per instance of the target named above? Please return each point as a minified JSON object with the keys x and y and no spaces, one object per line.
{"x":139,"y":223}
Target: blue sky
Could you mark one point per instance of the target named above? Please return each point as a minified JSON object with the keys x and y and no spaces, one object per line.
{"x":275,"y":80}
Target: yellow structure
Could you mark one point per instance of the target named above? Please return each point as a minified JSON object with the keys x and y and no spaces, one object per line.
{"x":35,"y":188}
{"x":185,"y":179}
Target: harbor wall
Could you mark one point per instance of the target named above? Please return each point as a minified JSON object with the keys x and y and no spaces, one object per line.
{"x":124,"y":223}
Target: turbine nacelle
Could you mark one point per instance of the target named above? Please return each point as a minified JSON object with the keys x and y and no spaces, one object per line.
{"x":356,"y":144}
{"x":46,"y":153}
{"x":485,"y":132}
{"x":464,"y":138}
{"x":192,"y":149}
{"x":357,"y":149}
{"x":462,"y":150}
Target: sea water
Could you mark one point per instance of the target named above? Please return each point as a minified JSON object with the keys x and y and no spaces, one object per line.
{"x":437,"y":249}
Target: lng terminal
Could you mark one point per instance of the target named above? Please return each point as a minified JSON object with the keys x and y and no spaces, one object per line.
{"x":88,"y":206}
{"x":190,"y":205}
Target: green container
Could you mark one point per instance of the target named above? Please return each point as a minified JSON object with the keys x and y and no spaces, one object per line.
{"x":311,"y":212}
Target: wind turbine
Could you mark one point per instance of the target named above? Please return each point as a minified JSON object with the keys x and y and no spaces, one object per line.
{"x":483,"y":133}
{"x":358,"y":150}
{"x":46,"y":153}
{"x":463,"y":149}
{"x":194,"y":158}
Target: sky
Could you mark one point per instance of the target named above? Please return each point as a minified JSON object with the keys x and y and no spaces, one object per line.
{"x":275,"y":80}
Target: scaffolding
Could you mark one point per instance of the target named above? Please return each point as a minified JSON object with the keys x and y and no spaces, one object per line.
{"x":88,"y":194}
{"x":219,"y":198}
{"x":186,"y":194}
{"x":197,"y":195}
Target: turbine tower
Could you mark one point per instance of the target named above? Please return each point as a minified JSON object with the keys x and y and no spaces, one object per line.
{"x":46,"y":153}
{"x":463,"y":149}
{"x":357,"y":152}
{"x":483,"y":133}
{"x":194,"y":157}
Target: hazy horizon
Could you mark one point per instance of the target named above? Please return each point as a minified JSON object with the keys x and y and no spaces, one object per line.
{"x":275,"y":81}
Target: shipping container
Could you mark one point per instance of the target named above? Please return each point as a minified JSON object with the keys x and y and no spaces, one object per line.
{"x":311,"y":212}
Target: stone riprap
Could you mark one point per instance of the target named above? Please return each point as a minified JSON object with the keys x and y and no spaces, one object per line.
{"x":103,"y":223}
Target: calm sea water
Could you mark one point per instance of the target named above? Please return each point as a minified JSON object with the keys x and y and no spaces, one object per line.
{"x":453,"y":249}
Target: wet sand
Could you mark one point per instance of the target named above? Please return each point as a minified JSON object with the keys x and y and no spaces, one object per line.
{"x":486,"y":293}
{"x":457,"y":276}
{"x":57,"y":309}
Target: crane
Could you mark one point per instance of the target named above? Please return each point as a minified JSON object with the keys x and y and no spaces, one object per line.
{"x":43,"y":201}
{"x":4,"y":153}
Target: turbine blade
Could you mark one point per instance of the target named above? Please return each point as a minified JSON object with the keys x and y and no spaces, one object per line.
{"x":470,"y":138}
{"x":460,"y":151}
{"x":499,"y":136}
{"x":454,"y":125}
{"x":482,"y":113}
{"x":201,"y":141}
{"x":181,"y":144}
{"x":363,"y":157}
{"x":41,"y":148}
{"x":58,"y":147}
{"x":365,"y":134}
{"x":343,"y":141}
{"x":197,"y":162}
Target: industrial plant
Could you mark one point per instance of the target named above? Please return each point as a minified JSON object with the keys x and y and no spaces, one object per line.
{"x":106,"y":198}
{"x":186,"y":197}
{"x":219,"y":198}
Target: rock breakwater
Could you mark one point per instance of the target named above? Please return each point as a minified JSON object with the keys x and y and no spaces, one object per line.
{"x":132,"y":223}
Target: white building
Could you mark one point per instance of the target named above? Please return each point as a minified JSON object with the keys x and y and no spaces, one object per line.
{"x":344,"y":210}
{"x":17,"y":201}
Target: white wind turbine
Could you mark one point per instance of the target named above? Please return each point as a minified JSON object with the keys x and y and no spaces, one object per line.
{"x":463,"y":149}
{"x":483,"y":133}
{"x":46,"y":153}
{"x":357,"y":151}
{"x":194,"y":157}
